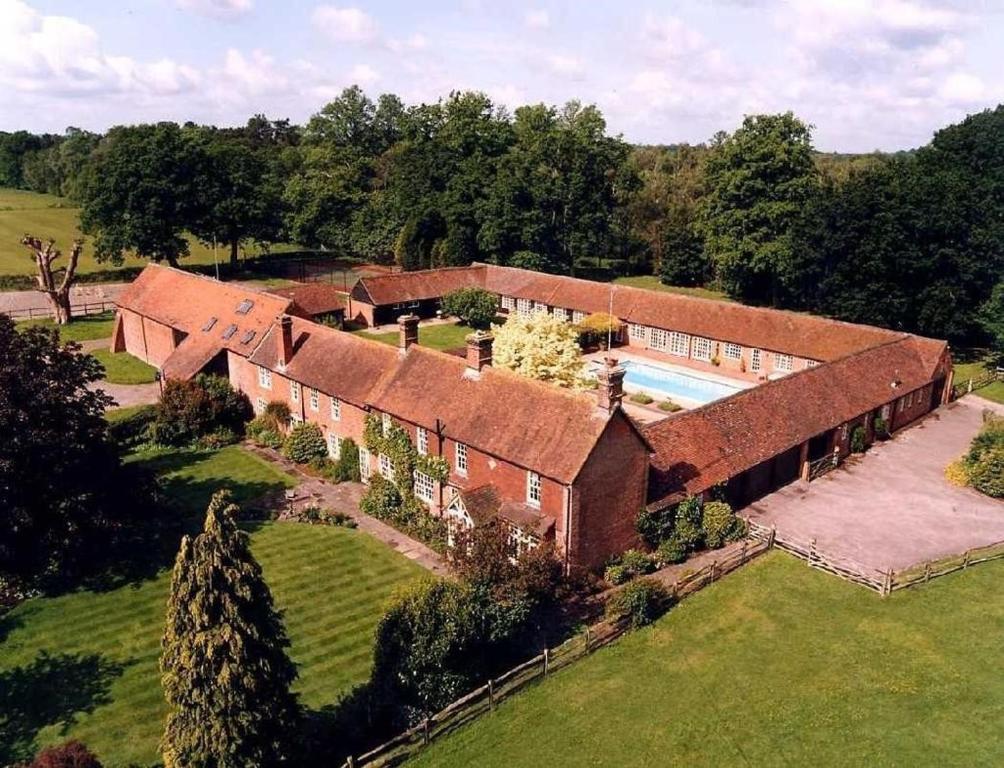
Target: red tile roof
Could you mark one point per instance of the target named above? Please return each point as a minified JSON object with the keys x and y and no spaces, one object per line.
{"x":313,"y":298}
{"x":485,"y":503}
{"x":804,"y":335}
{"x":699,"y":449}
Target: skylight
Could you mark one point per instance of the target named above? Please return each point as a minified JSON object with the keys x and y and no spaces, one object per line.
{"x":209,"y":325}
{"x":247,"y":337}
{"x":230,"y":331}
{"x":244,"y":307}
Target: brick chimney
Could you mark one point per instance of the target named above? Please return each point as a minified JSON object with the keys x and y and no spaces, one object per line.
{"x":610,"y":389}
{"x":407,"y":326}
{"x":479,"y":351}
{"x":285,"y":340}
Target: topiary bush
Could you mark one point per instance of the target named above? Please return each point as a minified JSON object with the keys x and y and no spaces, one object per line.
{"x":641,"y":602}
{"x":671,"y":551}
{"x":669,"y":406}
{"x":718,"y":523}
{"x":304,"y":443}
{"x":858,"y":439}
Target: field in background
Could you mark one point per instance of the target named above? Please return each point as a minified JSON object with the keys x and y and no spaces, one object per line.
{"x":652,"y":283}
{"x":85,"y":665}
{"x":777,"y":664}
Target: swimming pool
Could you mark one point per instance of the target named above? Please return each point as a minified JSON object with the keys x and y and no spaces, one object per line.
{"x":673,"y":384}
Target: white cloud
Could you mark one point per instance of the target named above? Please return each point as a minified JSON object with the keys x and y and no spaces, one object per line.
{"x":537,"y":19}
{"x":417,"y":42}
{"x":363,"y":75}
{"x":346,"y":25}
{"x":567,"y":66}
{"x":217,"y":9}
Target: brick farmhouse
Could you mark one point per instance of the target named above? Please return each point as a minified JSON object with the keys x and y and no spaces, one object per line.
{"x":555,"y":465}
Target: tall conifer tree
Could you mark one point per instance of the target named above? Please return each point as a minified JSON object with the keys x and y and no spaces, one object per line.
{"x":226,"y":675}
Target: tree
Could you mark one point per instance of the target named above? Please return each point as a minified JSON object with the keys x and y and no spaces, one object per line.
{"x":477,"y":307}
{"x":539,"y":347}
{"x":758,"y":180}
{"x":62,"y":491}
{"x":58,"y":296}
{"x":194,"y":408}
{"x":140,"y":193}
{"x":72,"y":754}
{"x":601,"y":327}
{"x":992,"y":317}
{"x":225,"y":671}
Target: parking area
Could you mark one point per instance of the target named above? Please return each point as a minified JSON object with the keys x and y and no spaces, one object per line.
{"x":893,"y":507}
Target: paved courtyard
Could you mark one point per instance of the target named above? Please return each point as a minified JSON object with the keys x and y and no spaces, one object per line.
{"x":893,"y":508}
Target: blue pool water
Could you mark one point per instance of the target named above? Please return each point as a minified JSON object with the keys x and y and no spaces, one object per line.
{"x":673,"y":384}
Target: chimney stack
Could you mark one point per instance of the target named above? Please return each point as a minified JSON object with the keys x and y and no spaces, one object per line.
{"x":407,"y":326}
{"x":479,"y":351}
{"x":285,"y":340}
{"x":610,"y":389}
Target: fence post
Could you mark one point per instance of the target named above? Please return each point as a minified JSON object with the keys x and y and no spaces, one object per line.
{"x":887,"y":582}
{"x":491,"y":694}
{"x":714,"y":565}
{"x":351,"y":762}
{"x":812,"y":552}
{"x":927,"y":571}
{"x":425,"y":731}
{"x":587,"y":639}
{"x":545,"y":659}
{"x":965,"y":561}
{"x":742,"y":560}
{"x":773,"y":533}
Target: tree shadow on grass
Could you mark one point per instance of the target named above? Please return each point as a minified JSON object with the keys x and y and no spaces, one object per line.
{"x":53,"y":690}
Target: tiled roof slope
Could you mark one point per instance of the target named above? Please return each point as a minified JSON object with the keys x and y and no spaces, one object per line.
{"x":313,"y":298}
{"x":400,"y":287}
{"x":698,"y":449}
{"x":331,"y":361}
{"x":807,"y":336}
{"x":186,"y":301}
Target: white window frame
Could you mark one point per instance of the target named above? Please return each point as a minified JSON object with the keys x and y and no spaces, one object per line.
{"x":756,"y":359}
{"x":508,"y":302}
{"x":336,"y":409}
{"x":315,"y":399}
{"x":701,"y":348}
{"x":334,"y":445}
{"x":460,"y":459}
{"x":811,"y":363}
{"x":364,"y":464}
{"x":679,"y":344}
{"x":296,"y":418}
{"x":783,"y":363}
{"x":733,"y":351}
{"x":260,"y":405}
{"x":659,"y":339}
{"x":843,"y":433}
{"x":386,"y":465}
{"x":638,"y":332}
{"x":540,"y":308}
{"x":385,"y":423}
{"x":578,"y":316}
{"x":294,"y":391}
{"x":422,"y":441}
{"x":264,"y":377}
{"x":533,"y":488}
{"x":562,"y":314}
{"x":425,"y":487}
{"x":524,"y":307}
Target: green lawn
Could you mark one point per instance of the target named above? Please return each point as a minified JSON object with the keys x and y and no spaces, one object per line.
{"x":83,"y":328}
{"x":48,"y":216}
{"x":652,"y":283}
{"x":975,"y":369}
{"x":775,"y":665}
{"x":123,"y":368}
{"x":120,"y":414}
{"x":441,"y":336}
{"x":84,"y":665}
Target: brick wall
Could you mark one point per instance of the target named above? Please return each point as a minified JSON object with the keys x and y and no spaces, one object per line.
{"x":147,"y":339}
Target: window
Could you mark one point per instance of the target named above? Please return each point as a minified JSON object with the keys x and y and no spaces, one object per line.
{"x":424,"y":486}
{"x":422,"y":438}
{"x":702,"y":348}
{"x":334,"y":446}
{"x":524,"y":307}
{"x":385,"y":423}
{"x":336,"y":409}
{"x":260,"y":405}
{"x":539,"y":308}
{"x":577,"y":316}
{"x":248,"y":337}
{"x":733,"y":352}
{"x":229,"y":331}
{"x":533,"y":489}
{"x":679,"y":344}
{"x":811,"y":363}
{"x":209,"y":325}
{"x":264,"y":377}
{"x":364,"y":464}
{"x":843,"y":433}
{"x":561,"y":314}
{"x":315,"y":399}
{"x":659,"y":339}
{"x":519,"y":542}
{"x":886,"y":413}
{"x":296,"y":418}
{"x":244,"y":307}
{"x":508,"y":302}
{"x":294,"y":391}
{"x":755,"y":359}
{"x":639,"y":332}
{"x":386,"y":467}
{"x":461,"y":459}
{"x":782,"y":363}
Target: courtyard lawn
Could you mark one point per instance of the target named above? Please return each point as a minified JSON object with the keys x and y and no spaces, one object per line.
{"x":84,"y":328}
{"x":441,"y":336}
{"x":652,"y":283}
{"x":85,"y":665}
{"x":975,"y":369}
{"x":777,"y":664}
{"x":123,"y":368}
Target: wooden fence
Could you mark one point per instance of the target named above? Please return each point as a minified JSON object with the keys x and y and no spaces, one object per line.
{"x":84,"y":308}
{"x":932,"y":569}
{"x":977,"y":382}
{"x":484,"y":699}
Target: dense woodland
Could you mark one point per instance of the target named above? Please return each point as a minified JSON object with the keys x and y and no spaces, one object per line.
{"x":910,"y":241}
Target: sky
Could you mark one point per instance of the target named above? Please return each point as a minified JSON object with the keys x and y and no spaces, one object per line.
{"x":867,"y":74}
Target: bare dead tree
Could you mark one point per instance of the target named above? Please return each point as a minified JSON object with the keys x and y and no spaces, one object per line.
{"x":44,"y":253}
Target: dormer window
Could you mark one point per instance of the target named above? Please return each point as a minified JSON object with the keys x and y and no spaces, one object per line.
{"x":244,"y":307}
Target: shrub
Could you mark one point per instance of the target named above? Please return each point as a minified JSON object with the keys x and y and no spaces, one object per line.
{"x":653,"y":527}
{"x":346,"y":469}
{"x":617,"y":574}
{"x":637,"y":562}
{"x":382,"y":500}
{"x":642,"y":398}
{"x":687,"y":527}
{"x":475,"y":306}
{"x":881,"y":428}
{"x":718,"y":522}
{"x":72,"y":754}
{"x":957,"y":473}
{"x":188,"y":410}
{"x":669,"y":405}
{"x":641,"y":602}
{"x":278,"y":413}
{"x":858,"y":439}
{"x":986,"y":474}
{"x":671,"y":551}
{"x":304,"y":443}
{"x":133,"y":429}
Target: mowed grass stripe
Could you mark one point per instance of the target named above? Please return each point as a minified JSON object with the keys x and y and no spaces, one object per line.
{"x":330,"y":583}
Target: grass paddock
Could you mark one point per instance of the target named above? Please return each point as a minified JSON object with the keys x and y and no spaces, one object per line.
{"x":123,"y":368}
